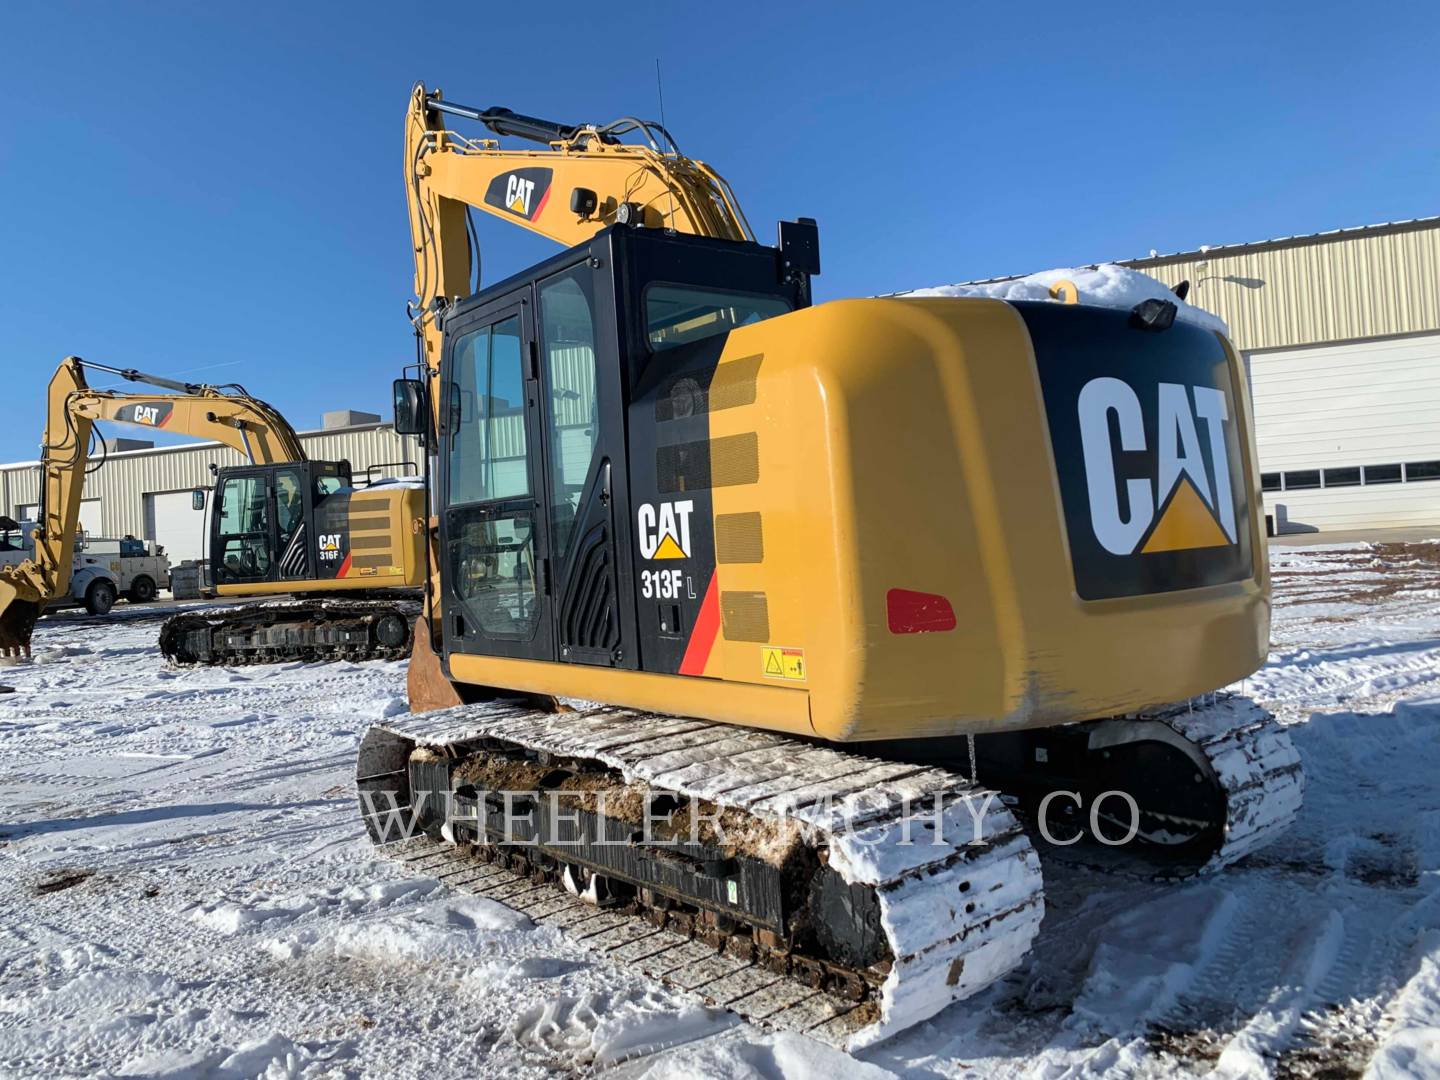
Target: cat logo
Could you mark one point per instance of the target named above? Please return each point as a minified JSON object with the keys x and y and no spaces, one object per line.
{"x":1188,"y":502}
{"x":148,"y":415}
{"x":329,"y":547}
{"x":665,"y":534}
{"x":517,"y":193}
{"x":522,"y":192}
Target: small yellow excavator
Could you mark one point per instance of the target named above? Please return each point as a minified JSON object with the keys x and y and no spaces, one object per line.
{"x":281,"y":524}
{"x":849,"y":579}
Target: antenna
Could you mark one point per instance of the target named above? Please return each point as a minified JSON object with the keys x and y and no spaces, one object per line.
{"x":660,"y":93}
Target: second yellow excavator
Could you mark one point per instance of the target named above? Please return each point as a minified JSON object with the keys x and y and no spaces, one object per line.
{"x":280,"y":524}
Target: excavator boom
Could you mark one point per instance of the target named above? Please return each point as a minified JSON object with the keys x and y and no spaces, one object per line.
{"x":225,"y":414}
{"x":586,"y":179}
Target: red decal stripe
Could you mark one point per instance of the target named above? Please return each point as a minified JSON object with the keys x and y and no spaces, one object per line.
{"x":702,"y":638}
{"x":344,"y":567}
{"x":918,"y":612}
{"x":543,"y":200}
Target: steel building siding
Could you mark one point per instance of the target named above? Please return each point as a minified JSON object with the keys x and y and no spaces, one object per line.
{"x":1370,"y":284}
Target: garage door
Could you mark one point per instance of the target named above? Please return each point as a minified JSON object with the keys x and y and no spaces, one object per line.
{"x":1347,"y":435}
{"x":90,"y":517}
{"x":171,"y":520}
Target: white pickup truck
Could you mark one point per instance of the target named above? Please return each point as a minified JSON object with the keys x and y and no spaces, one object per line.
{"x":104,"y":569}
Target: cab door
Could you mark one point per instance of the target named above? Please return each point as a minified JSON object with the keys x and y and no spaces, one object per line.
{"x":494,"y":532}
{"x":582,"y":407}
{"x":293,"y":526}
{"x":243,"y":538}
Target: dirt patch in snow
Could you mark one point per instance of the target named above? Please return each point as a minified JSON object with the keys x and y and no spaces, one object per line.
{"x":60,"y":880}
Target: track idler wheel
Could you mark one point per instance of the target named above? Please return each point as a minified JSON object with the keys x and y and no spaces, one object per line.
{"x":392,"y":631}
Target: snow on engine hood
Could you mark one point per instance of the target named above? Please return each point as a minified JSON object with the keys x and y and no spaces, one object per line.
{"x":1106,"y":285}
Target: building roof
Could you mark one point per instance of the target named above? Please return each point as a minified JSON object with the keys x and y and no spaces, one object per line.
{"x":1353,"y":232}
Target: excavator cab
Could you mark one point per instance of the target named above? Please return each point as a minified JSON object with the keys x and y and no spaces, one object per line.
{"x":267,"y":518}
{"x":538,"y":493}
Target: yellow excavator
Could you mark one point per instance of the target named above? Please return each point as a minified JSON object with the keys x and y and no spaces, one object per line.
{"x":281,"y":524}
{"x":863,"y":587}
{"x":872,"y":590}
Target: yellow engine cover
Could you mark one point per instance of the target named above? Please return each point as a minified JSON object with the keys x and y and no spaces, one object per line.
{"x":904,"y":445}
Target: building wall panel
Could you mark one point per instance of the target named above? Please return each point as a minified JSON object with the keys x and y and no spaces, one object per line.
{"x":1376,"y":284}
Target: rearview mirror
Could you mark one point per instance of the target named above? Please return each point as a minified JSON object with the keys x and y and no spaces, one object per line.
{"x":409,"y":407}
{"x":197,"y":499}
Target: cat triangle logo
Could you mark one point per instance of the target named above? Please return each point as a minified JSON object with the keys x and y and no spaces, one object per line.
{"x":1186,"y":522}
{"x":668,"y":549}
{"x":1175,"y":500}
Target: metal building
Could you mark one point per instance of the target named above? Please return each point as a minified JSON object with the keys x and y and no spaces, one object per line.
{"x":147,"y":493}
{"x":1341,"y":334}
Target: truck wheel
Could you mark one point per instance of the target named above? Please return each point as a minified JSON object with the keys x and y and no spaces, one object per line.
{"x":100,"y":597}
{"x":142,"y":590}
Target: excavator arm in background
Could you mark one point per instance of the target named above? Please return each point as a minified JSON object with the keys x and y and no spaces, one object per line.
{"x":586,"y":179}
{"x":226,"y":415}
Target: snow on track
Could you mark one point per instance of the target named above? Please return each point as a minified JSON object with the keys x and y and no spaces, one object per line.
{"x":186,"y":892}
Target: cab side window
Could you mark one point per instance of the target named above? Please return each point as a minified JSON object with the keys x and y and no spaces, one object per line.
{"x":567,"y":335}
{"x":325,"y":486}
{"x":487,"y":416}
{"x":289,"y":504}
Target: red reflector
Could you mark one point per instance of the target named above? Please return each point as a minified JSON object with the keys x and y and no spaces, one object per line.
{"x":918,"y":612}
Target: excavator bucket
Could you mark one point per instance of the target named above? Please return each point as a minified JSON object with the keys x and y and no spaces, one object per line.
{"x":18,"y":611}
{"x":426,"y":684}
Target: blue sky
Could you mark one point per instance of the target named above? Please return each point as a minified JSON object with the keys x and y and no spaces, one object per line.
{"x":216,"y":191}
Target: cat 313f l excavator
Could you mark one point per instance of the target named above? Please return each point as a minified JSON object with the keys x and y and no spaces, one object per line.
{"x":825,"y":576}
{"x":281,"y":524}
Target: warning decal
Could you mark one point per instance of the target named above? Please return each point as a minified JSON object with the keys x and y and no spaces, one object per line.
{"x":781,"y":663}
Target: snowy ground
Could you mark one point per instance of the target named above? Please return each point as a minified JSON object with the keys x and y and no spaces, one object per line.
{"x":186,"y":892}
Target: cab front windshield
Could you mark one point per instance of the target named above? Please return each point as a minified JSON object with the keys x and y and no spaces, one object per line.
{"x":677,"y":315}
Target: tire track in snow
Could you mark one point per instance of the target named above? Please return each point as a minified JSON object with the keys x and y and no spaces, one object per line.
{"x":1327,"y":677}
{"x":1314,"y":948}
